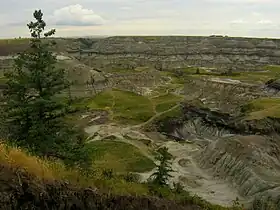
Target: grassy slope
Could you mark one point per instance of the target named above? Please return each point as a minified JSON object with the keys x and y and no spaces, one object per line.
{"x":262,"y":108}
{"x":49,"y":172}
{"x":120,"y":157}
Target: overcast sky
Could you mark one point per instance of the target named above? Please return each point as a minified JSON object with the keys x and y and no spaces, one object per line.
{"x":258,"y":18}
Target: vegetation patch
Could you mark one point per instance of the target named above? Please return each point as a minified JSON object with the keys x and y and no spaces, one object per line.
{"x":262,"y":108}
{"x":3,"y":80}
{"x":165,"y":102}
{"x":102,"y":100}
{"x":126,"y":107}
{"x":120,"y":157}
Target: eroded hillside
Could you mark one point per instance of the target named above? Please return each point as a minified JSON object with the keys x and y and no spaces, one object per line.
{"x":205,"y":98}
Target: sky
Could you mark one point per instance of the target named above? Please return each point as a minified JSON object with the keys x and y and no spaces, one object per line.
{"x":251,"y":18}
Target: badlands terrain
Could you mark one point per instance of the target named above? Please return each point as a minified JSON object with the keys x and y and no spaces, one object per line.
{"x":212,"y":101}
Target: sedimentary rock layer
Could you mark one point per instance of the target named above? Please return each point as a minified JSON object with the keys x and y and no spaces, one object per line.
{"x":178,"y":52}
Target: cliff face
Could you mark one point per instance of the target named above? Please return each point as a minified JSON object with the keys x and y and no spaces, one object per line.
{"x":179,"y":52}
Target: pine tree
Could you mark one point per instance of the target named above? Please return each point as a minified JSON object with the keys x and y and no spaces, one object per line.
{"x":162,"y":174}
{"x":32,"y":114}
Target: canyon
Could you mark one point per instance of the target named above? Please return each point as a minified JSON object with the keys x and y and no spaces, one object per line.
{"x":205,"y":98}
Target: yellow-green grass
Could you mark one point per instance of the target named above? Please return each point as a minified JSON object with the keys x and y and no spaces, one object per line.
{"x":126,"y":107}
{"x":262,"y":108}
{"x":51,"y":171}
{"x":165,"y":102}
{"x":120,"y":156}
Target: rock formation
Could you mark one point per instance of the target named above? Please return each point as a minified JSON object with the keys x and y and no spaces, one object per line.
{"x":171,"y":52}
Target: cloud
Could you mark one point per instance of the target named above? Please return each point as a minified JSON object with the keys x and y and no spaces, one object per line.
{"x":242,"y":1}
{"x":125,"y":8}
{"x":76,"y":15}
{"x":264,"y":22}
{"x":238,"y":21}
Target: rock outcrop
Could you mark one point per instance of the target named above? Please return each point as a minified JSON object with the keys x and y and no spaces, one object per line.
{"x":171,"y":52}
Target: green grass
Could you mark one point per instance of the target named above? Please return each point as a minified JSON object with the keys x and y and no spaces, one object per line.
{"x":131,"y":107}
{"x":3,"y":80}
{"x":128,"y":107}
{"x":165,"y":102}
{"x":120,"y":157}
{"x":165,"y":106}
{"x":102,"y":100}
{"x":262,"y":108}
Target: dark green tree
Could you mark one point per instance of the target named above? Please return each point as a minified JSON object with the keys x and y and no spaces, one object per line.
{"x":162,"y":174}
{"x":33,"y":115}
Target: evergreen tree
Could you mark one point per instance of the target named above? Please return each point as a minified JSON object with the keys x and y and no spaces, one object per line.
{"x":32,"y":114}
{"x":162,"y":174}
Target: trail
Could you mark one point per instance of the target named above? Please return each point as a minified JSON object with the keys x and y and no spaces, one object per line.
{"x":154,"y":117}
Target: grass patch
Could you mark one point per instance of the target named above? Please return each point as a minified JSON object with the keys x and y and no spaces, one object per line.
{"x":165,"y":102}
{"x":120,"y":157}
{"x":125,"y":107}
{"x":165,"y":98}
{"x":131,"y":108}
{"x":3,"y":80}
{"x":262,"y":108}
{"x":102,"y":100}
{"x":165,"y":106}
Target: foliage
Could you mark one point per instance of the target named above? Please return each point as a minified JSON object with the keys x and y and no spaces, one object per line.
{"x":32,"y":115}
{"x":162,"y":174}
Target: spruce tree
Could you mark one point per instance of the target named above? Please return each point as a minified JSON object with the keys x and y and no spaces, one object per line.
{"x":32,"y":112}
{"x":162,"y":174}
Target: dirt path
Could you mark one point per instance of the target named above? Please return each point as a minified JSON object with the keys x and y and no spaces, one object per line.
{"x":154,"y":117}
